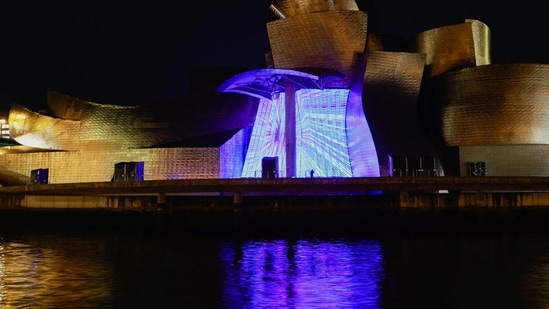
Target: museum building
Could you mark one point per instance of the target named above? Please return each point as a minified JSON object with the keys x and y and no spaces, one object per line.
{"x":331,"y":101}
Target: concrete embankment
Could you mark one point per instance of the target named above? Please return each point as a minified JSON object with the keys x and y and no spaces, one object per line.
{"x":220,"y":215}
{"x":402,"y":200}
{"x":227,"y":205}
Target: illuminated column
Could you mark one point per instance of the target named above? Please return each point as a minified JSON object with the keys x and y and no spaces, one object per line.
{"x":289,"y":102}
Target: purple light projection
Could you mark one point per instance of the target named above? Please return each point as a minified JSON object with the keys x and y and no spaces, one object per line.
{"x":267,"y":139}
{"x":302,"y":274}
{"x":321,"y":136}
{"x":332,"y":136}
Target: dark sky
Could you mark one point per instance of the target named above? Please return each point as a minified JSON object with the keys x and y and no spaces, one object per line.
{"x":139,"y":52}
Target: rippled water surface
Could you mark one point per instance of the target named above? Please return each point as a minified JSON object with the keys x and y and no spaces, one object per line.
{"x":176,"y":270}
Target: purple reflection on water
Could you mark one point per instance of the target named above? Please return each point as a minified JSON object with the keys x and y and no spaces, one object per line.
{"x":302,"y":274}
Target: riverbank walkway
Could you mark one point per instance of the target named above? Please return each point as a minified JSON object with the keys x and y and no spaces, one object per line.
{"x":391,"y":192}
{"x":287,"y":186}
{"x":383,"y":203}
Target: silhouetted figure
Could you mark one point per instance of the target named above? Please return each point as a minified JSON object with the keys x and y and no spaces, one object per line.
{"x":312,"y":173}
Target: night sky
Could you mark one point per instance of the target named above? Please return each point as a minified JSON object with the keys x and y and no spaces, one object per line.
{"x":137,"y":52}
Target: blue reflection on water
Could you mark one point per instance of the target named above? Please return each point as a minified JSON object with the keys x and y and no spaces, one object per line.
{"x":302,"y":274}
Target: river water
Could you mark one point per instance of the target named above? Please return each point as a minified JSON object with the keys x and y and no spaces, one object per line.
{"x":178,"y":269}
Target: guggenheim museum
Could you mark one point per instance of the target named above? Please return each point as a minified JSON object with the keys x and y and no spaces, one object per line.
{"x":331,"y":101}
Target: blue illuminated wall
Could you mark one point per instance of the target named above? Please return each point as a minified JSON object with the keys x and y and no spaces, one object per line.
{"x":332,"y":136}
{"x":232,"y":155}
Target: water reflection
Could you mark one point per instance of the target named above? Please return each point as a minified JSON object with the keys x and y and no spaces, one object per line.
{"x":172,"y":270}
{"x":302,"y":274}
{"x":536,"y":284}
{"x":33,"y":276}
{"x":497,"y":269}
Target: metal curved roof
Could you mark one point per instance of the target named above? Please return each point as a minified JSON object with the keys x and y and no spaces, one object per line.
{"x":263,"y":83}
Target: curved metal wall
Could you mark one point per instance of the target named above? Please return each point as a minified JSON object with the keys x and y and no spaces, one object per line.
{"x":289,"y":8}
{"x":173,"y":143}
{"x":66,"y":107}
{"x":33,"y":129}
{"x":326,"y":40}
{"x":79,"y":124}
{"x":454,"y":47}
{"x":86,"y":156}
{"x":390,"y":99}
{"x":501,"y":104}
{"x":482,"y":40}
{"x":474,"y":110}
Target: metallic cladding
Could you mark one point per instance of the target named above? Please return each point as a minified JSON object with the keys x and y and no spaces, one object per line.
{"x":97,"y":164}
{"x":147,"y":125}
{"x":482,"y":40}
{"x":41,"y":131}
{"x":105,"y":126}
{"x":264,"y":83}
{"x":390,"y":98}
{"x":331,"y":40}
{"x":362,"y":149}
{"x":66,"y":107}
{"x":501,"y":104}
{"x":290,"y":8}
{"x":356,"y":105}
{"x":454,"y":47}
{"x":375,"y":42}
{"x":173,"y":143}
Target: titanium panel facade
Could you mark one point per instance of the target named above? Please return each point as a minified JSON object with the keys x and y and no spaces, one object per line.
{"x":501,"y":104}
{"x":362,"y":149}
{"x":40,"y":131}
{"x":86,"y":147}
{"x":482,"y":41}
{"x":356,"y":105}
{"x":290,"y":8}
{"x":331,"y":40}
{"x":390,"y":97}
{"x":96,"y":165}
{"x":454,"y":47}
{"x":147,"y":125}
{"x":332,"y":137}
{"x":495,"y":114}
